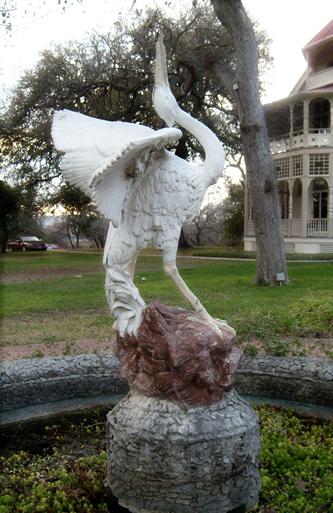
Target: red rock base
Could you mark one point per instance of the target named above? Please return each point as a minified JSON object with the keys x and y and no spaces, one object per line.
{"x":177,"y":357}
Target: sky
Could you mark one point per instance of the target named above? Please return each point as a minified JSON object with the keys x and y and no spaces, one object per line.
{"x":290,"y":24}
{"x":41,"y":24}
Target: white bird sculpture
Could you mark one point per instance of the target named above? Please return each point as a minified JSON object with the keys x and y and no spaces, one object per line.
{"x":145,"y":191}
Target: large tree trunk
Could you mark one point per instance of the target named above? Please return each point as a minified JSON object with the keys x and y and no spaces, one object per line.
{"x":3,"y":234}
{"x":69,"y":237}
{"x":259,"y":164}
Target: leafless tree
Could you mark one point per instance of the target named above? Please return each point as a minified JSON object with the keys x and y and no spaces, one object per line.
{"x":206,"y":228}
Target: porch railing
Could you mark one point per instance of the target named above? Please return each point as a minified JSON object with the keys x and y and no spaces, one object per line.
{"x":317,"y":228}
{"x":296,"y":227}
{"x":285,"y":225}
{"x":319,"y":137}
{"x":314,"y":137}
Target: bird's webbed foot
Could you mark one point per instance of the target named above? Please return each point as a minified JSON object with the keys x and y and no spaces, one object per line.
{"x":128,"y":322}
{"x":224,"y":326}
{"x":125,"y":301}
{"x":221,"y":327}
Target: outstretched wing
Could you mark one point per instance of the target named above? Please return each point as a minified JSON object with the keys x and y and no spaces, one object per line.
{"x":88,"y":142}
{"x":102,"y":157}
{"x":117,"y":173}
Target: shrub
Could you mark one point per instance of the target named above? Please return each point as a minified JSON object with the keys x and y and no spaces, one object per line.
{"x":296,"y":463}
{"x":313,"y":316}
{"x":53,"y":484}
{"x":261,"y":324}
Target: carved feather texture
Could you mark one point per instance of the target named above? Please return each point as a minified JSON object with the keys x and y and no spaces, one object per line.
{"x":146,"y":191}
{"x":87,"y":142}
{"x":118,"y":172}
{"x":102,"y":157}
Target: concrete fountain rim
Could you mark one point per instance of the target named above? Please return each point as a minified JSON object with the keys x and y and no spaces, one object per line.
{"x":38,"y":388}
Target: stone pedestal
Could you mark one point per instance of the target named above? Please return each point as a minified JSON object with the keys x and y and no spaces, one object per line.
{"x":177,"y":356}
{"x":167,"y":459}
{"x":182,"y":441}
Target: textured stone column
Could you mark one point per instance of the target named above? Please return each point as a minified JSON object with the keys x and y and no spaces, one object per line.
{"x":182,"y":440}
{"x":167,"y":459}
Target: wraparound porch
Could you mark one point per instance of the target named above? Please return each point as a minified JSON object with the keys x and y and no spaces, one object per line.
{"x":308,"y":245}
{"x":293,"y":228}
{"x":306,"y":215}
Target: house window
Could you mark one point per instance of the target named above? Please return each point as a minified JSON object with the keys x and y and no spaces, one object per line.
{"x":298,"y":118}
{"x":282,"y":168}
{"x":319,"y":115}
{"x":320,"y":199}
{"x":283,"y":190}
{"x":278,"y":122}
{"x":297,"y":165}
{"x":318,"y":164}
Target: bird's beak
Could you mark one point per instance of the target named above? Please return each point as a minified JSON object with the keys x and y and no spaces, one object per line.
{"x":161,"y":72}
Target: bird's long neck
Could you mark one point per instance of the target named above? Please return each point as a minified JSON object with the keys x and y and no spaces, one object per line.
{"x":214,"y":153}
{"x":168,"y":109}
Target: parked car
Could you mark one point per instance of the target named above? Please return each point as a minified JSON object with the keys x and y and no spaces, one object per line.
{"x":27,"y":243}
{"x":52,"y":246}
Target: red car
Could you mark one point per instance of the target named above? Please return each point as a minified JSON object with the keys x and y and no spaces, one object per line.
{"x":27,"y":243}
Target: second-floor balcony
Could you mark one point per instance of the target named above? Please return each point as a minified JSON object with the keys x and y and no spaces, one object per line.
{"x":303,"y":123}
{"x":320,"y":78}
{"x":313,"y":137}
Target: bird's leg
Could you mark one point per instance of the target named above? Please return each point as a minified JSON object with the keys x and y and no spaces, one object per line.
{"x":171,"y":270}
{"x":124,"y":299}
{"x":131,"y":266}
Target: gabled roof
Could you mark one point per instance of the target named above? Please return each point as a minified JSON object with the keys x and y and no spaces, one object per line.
{"x":328,"y":87}
{"x":325,"y":33}
{"x":300,"y":84}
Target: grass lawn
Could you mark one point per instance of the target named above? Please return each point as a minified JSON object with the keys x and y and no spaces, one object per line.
{"x":59,"y":297}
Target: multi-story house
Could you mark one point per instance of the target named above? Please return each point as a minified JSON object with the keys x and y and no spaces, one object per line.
{"x":301,"y":136}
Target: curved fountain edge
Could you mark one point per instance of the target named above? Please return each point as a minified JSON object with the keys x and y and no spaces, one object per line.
{"x":40,"y":387}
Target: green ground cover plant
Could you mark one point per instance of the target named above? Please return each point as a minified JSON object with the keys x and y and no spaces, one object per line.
{"x":60,"y":467}
{"x":59,"y":297}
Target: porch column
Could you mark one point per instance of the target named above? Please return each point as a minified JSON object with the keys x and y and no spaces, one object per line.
{"x":290,"y":207}
{"x":331,"y":120}
{"x":305,"y":122}
{"x":291,"y":125}
{"x":330,"y":212}
{"x":246,"y":208}
{"x":305,"y":206}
